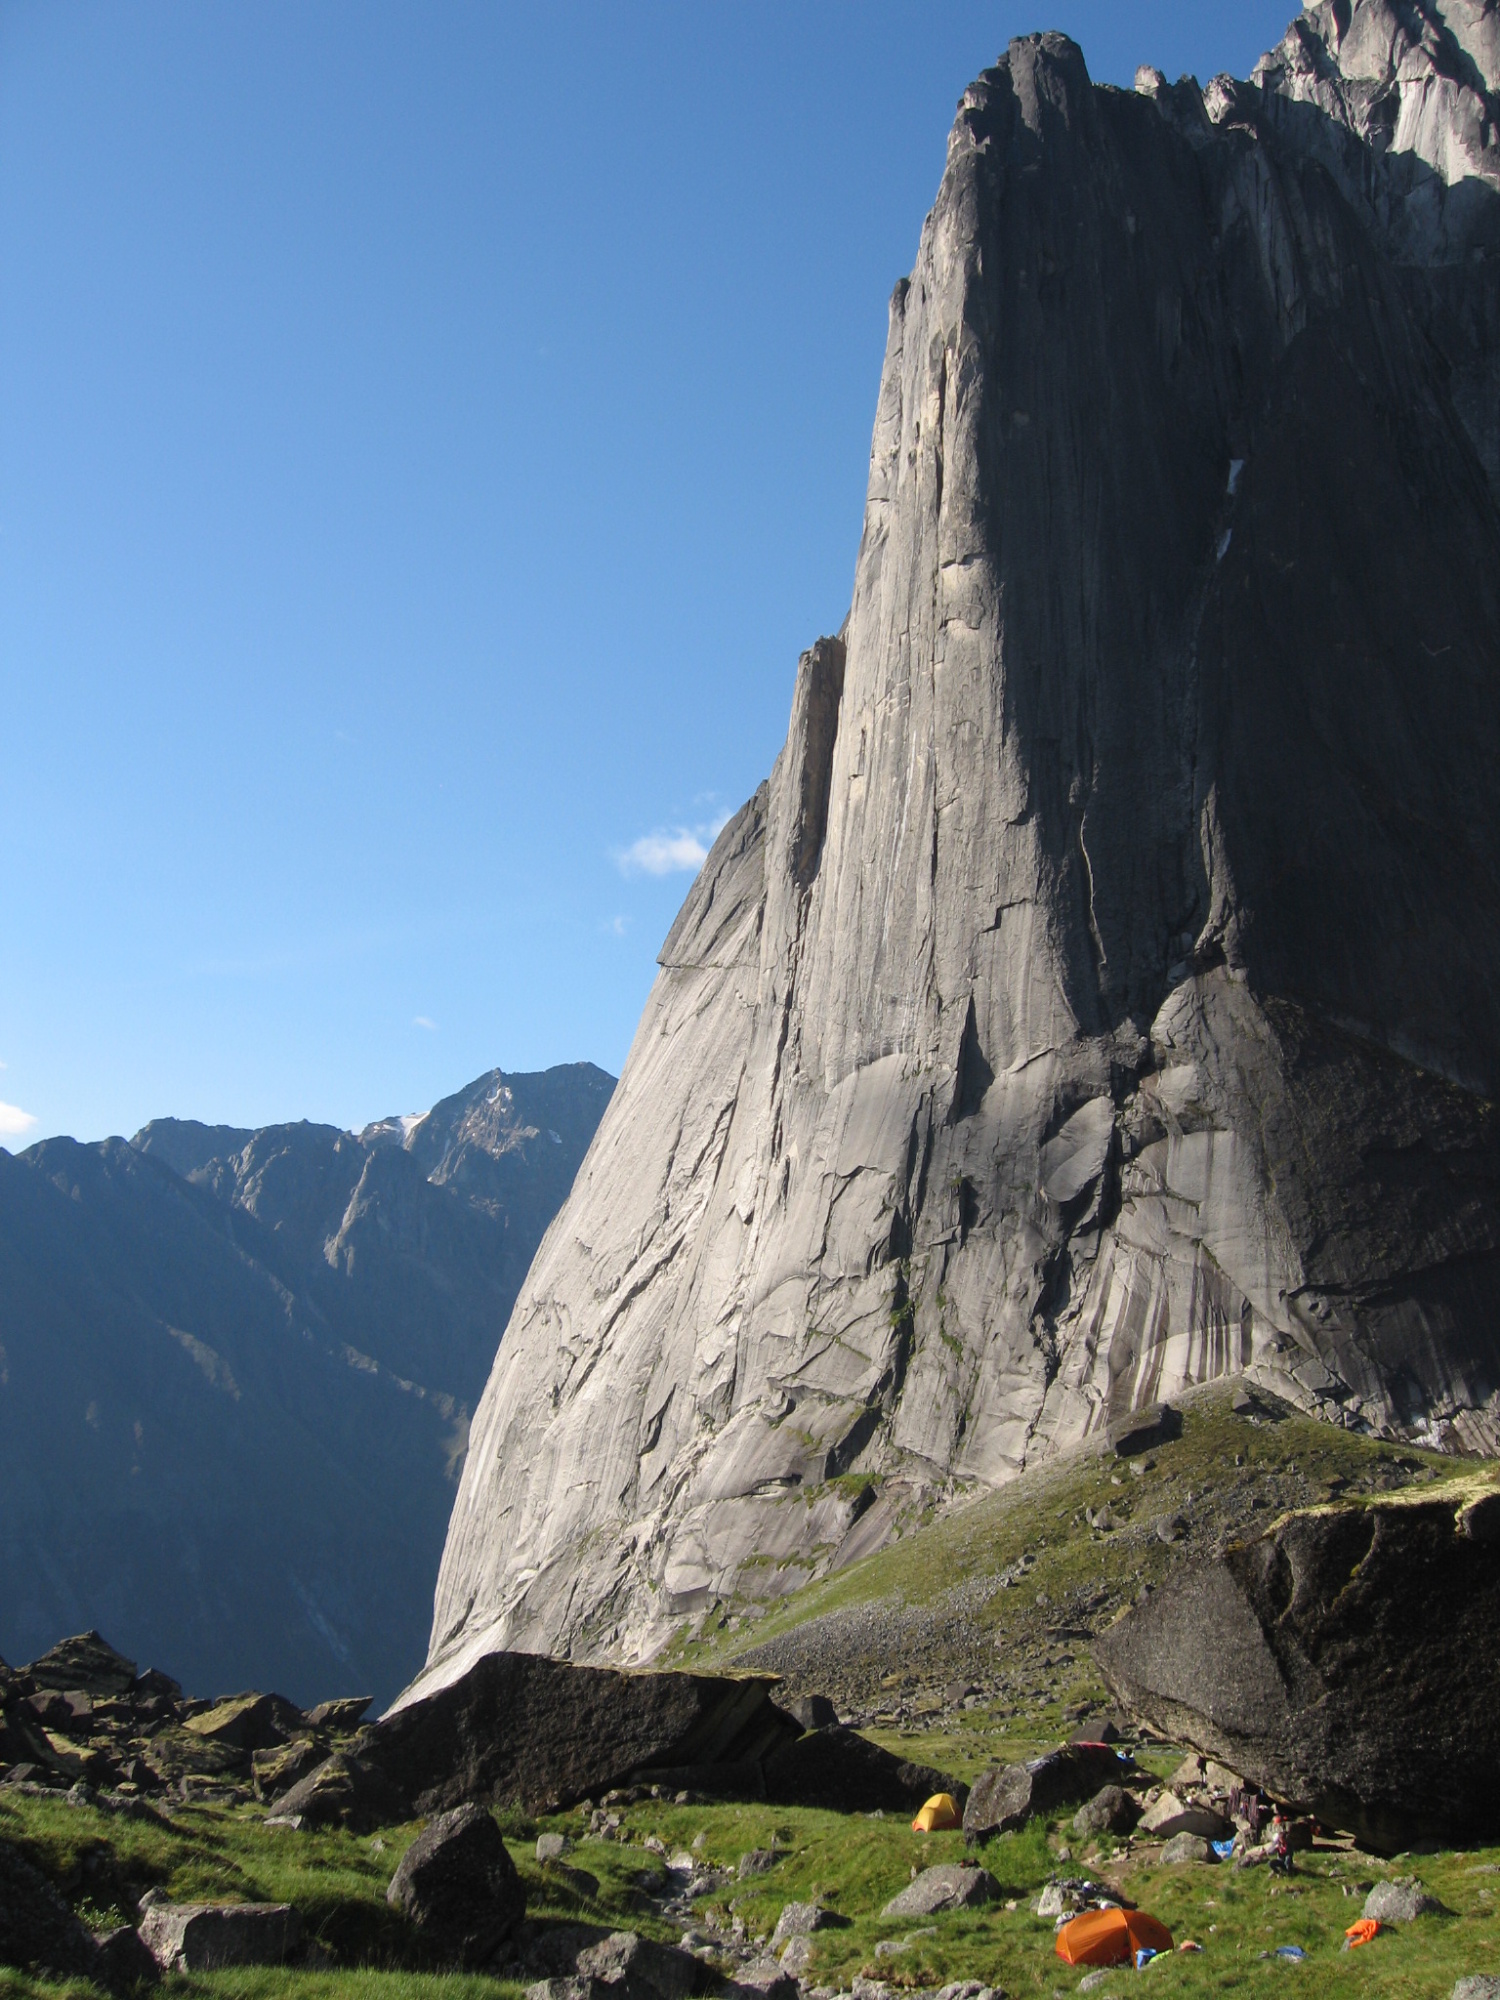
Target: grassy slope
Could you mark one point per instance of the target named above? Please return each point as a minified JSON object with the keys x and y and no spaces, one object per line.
{"x":855,"y":1865}
{"x":889,"y":1635}
{"x":939,"y":1580}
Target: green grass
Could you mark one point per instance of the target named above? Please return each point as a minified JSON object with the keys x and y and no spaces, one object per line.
{"x":1076,"y":1577}
{"x":853,"y":1864}
{"x":272,"y":1983}
{"x":1041,"y":1514}
{"x":1033,"y":1679}
{"x":337,"y":1881}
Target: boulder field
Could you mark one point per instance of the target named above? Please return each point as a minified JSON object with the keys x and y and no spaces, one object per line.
{"x":517,"y":1730}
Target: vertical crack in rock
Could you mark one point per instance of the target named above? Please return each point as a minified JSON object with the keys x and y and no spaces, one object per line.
{"x":1103,"y":991}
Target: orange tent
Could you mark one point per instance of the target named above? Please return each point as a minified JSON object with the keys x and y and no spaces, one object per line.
{"x":939,"y":1815}
{"x":1111,"y":1937}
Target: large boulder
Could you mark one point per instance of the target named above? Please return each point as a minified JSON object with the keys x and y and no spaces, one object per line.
{"x":811,"y":1711}
{"x":1170,"y":1815}
{"x":1343,"y":1662}
{"x":87,"y":1662}
{"x":1110,"y":1810}
{"x":762,"y":1979}
{"x":1187,"y":1847}
{"x":23,"y":1739}
{"x":1401,"y":1901}
{"x":629,"y":1967}
{"x":952,"y":1885}
{"x":1143,"y":1430}
{"x":1007,"y":1795}
{"x":344,"y":1790}
{"x":176,"y":1753}
{"x":344,"y":1712}
{"x":204,"y":1937}
{"x":519,"y":1729}
{"x":459,"y":1886}
{"x":248,"y":1722}
{"x":800,"y":1920}
{"x":623,"y":1966}
{"x":846,"y":1772}
{"x":276,"y":1771}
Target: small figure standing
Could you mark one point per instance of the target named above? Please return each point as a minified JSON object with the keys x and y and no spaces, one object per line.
{"x":1281,"y":1845}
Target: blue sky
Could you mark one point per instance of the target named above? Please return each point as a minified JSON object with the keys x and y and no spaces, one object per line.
{"x":428,"y":435}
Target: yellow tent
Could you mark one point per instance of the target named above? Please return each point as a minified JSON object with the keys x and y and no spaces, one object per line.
{"x":939,"y":1815}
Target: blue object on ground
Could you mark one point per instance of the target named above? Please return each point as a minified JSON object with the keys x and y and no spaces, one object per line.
{"x":1223,"y":1848}
{"x":1290,"y":1951}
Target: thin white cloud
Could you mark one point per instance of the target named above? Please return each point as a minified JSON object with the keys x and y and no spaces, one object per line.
{"x":14,"y":1121}
{"x":421,"y":1021}
{"x":617,"y":926}
{"x":678,"y":850}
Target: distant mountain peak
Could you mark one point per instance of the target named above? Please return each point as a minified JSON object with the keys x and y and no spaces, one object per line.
{"x":238,"y":1367}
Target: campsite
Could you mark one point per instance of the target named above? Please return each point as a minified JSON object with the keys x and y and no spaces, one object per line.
{"x":926,"y":1423}
{"x":715,"y":1881}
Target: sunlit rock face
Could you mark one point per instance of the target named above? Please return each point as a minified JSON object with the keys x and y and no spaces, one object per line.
{"x":1103,"y":992}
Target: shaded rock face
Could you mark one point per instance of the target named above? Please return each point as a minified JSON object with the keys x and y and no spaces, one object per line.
{"x":522,"y":1730}
{"x":518,"y":1729}
{"x":1101,"y":994}
{"x":1397,"y":102}
{"x":238,"y":1369}
{"x":1343,"y":1662}
{"x":38,"y":1931}
{"x":841,"y":1770}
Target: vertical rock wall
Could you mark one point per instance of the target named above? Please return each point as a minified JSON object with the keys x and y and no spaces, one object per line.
{"x":1103,"y":993}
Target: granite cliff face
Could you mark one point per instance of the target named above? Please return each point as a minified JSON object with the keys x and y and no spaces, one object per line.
{"x":1103,"y":993}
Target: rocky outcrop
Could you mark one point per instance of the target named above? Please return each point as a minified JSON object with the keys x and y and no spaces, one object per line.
{"x":238,"y":1368}
{"x":1342,"y":1662}
{"x":1103,"y":992}
{"x":81,"y":1719}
